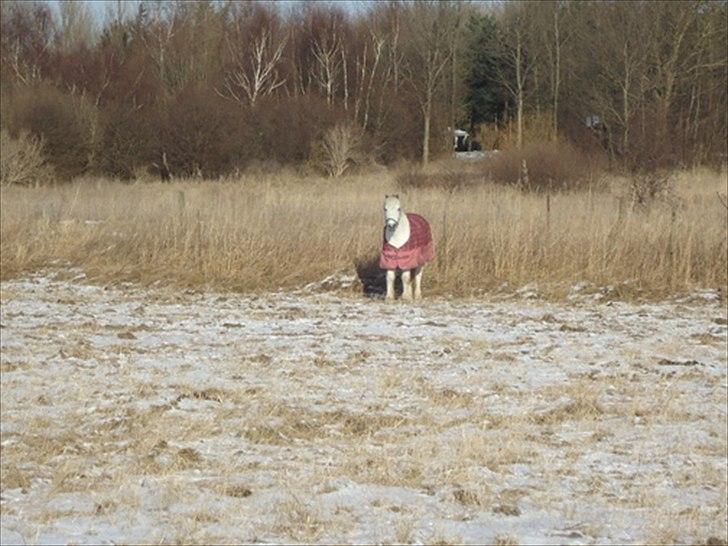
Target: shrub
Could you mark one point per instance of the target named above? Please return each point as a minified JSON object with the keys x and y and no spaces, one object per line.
{"x":340,"y":148}
{"x":125,"y":141}
{"x":65,"y":123}
{"x":547,"y":166}
{"x":503,"y":135}
{"x":286,"y":129}
{"x":399,"y":131}
{"x":449,"y":179}
{"x":652,"y":146}
{"x":202,"y":134}
{"x":21,"y":160}
{"x":537,"y":167}
{"x":648,"y":186}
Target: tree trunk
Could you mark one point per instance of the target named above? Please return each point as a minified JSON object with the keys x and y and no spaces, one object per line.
{"x":625,"y":116}
{"x":519,"y":98}
{"x":625,"y":98}
{"x":427,"y":111}
{"x":519,"y":120}
{"x":557,"y":74}
{"x":346,"y":79}
{"x":453,"y":89}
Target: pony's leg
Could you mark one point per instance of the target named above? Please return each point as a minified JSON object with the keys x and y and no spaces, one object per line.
{"x":406,"y":285}
{"x":391,"y":274}
{"x":418,"y":283}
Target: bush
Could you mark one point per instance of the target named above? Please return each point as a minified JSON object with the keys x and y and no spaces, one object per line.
{"x":449,"y":179}
{"x":125,"y":141}
{"x":536,"y":167}
{"x":547,"y":166}
{"x":340,"y":149}
{"x":503,"y":135}
{"x":648,"y":186}
{"x":286,"y":129}
{"x":65,"y":123}
{"x":400,"y":134}
{"x":202,"y":134}
{"x":21,"y":160}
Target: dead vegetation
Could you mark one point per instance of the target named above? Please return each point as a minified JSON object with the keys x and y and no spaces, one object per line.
{"x":309,"y":431}
{"x":505,"y":540}
{"x":21,"y":161}
{"x":251,"y":234}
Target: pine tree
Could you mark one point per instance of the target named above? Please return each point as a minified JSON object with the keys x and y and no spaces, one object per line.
{"x":484,"y":94}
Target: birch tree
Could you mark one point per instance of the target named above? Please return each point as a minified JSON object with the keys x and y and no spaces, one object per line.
{"x":76,"y":27}
{"x":554,"y":30}
{"x":255,"y":46}
{"x":327,"y":49}
{"x":367,"y":68}
{"x":518,"y":60}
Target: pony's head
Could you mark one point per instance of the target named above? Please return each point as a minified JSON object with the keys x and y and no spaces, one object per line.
{"x":392,"y":210}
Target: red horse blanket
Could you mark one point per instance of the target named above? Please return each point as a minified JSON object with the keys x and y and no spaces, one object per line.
{"x":416,"y":252}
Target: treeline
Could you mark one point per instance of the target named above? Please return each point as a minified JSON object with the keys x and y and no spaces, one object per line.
{"x":210,"y":87}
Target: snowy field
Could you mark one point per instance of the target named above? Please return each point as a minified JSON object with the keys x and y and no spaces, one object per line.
{"x":152,"y":415}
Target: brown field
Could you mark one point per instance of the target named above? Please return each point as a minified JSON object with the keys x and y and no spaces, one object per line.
{"x":280,"y":231}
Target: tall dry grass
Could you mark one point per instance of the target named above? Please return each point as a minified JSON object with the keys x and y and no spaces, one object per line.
{"x":280,"y":232}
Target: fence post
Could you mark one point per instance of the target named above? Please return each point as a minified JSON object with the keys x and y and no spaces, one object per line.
{"x":548,"y":211}
{"x":670,"y":243}
{"x":446,"y":250}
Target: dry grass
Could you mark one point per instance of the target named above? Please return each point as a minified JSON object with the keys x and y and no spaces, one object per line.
{"x":297,"y":520}
{"x":21,"y":160}
{"x":505,"y":540}
{"x":281,"y":232}
{"x":285,"y":443}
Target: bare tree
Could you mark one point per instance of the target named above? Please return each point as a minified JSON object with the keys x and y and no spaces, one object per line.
{"x":254,"y":72}
{"x":669,"y":58}
{"x":653,"y":72}
{"x":456,"y":42}
{"x":328,"y":57}
{"x":26,"y":41}
{"x":77,"y":27}
{"x":430,"y":28}
{"x":340,"y":149}
{"x":164,"y":23}
{"x":367,"y":64}
{"x":554,"y":32}
{"x":387,"y":22}
{"x":613,"y":39}
{"x":119,"y":11}
{"x":519,"y":60}
{"x":650,"y":74}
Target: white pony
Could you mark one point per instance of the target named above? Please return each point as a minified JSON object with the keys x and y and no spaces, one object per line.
{"x":407,"y":246}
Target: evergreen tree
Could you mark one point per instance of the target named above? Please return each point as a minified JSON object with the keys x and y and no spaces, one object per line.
{"x":484,"y":95}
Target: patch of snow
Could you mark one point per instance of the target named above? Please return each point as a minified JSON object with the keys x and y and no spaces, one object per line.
{"x":266,"y":417}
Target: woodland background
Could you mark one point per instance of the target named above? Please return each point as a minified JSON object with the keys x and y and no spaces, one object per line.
{"x":211,"y":88}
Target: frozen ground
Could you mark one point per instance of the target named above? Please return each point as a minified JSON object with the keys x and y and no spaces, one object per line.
{"x":143,"y":415}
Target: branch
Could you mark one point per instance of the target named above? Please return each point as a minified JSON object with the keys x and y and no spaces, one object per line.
{"x":722,"y":200}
